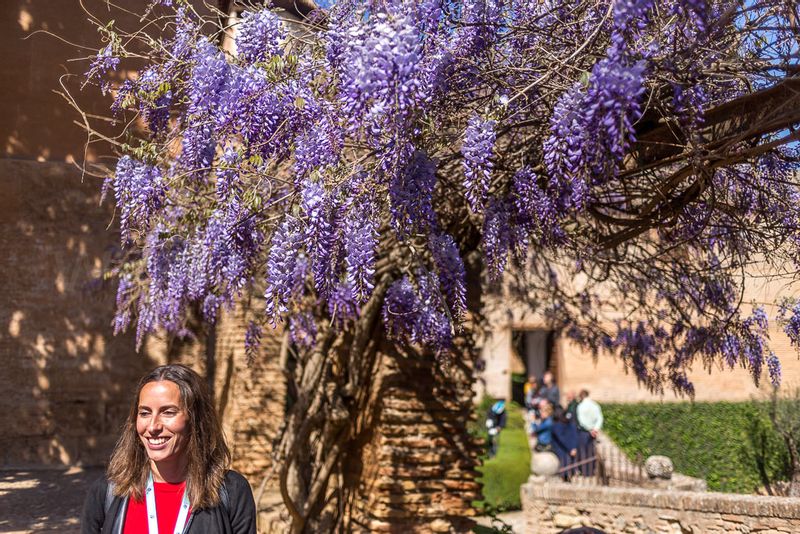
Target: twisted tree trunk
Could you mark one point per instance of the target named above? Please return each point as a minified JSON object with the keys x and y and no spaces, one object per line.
{"x":332,"y":388}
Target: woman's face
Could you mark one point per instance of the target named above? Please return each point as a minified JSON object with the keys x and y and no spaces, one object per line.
{"x":162,"y":422}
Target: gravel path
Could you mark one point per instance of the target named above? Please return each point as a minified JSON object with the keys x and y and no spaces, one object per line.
{"x":44,"y":500}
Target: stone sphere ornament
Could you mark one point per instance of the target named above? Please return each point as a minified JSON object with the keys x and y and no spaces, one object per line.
{"x":659,"y":467}
{"x":544,"y":464}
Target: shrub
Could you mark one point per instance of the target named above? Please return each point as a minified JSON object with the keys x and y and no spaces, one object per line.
{"x":731,"y":445}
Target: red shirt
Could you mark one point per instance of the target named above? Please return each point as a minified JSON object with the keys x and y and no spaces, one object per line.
{"x":168,"y":504}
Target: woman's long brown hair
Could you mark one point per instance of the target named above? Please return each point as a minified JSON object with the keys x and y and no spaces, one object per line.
{"x":209,"y":456}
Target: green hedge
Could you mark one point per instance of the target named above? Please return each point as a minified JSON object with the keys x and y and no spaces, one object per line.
{"x":731,"y":445}
{"x":503,"y":475}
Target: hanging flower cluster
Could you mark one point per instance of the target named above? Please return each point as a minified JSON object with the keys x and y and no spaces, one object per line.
{"x":405,"y":137}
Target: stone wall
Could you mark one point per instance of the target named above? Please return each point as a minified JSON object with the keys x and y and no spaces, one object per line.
{"x":554,"y":506}
{"x":419,"y":466}
{"x":250,"y":396}
{"x":65,"y":379}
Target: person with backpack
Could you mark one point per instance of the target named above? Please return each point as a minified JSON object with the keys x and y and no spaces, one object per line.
{"x":495,"y":422}
{"x":169,"y":471}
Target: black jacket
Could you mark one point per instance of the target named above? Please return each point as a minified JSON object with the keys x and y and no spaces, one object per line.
{"x":238,"y":517}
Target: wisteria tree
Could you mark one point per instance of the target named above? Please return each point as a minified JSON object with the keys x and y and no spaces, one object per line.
{"x":620,"y":166}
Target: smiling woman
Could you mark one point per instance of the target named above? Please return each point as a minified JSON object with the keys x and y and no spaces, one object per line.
{"x":169,"y":469}
{"x":162,"y":425}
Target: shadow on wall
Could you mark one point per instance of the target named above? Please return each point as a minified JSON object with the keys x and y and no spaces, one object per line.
{"x":40,"y":40}
{"x":65,"y":378}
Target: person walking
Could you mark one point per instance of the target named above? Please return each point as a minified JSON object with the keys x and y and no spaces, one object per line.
{"x":169,"y":471}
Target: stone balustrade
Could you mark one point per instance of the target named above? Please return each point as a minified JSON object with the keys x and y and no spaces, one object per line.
{"x":551,"y":507}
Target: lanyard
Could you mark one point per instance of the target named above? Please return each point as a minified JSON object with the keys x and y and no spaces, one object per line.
{"x":150,"y":500}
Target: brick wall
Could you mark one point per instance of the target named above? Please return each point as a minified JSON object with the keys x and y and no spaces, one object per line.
{"x":250,"y":395}
{"x":552,"y":507}
{"x":65,"y":379}
{"x":419,"y":466}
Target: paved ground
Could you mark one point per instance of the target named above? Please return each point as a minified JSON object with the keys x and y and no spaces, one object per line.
{"x":50,"y":500}
{"x":43,"y":500}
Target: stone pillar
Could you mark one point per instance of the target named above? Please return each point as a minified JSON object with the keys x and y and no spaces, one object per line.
{"x":419,"y":465}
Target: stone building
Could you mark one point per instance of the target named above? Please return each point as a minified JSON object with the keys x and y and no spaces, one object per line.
{"x":518,"y":342}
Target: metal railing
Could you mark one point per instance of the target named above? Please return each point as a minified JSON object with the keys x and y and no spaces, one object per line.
{"x":595,"y":465}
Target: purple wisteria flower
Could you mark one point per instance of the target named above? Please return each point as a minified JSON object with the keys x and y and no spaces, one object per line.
{"x":320,"y":234}
{"x":695,"y":11}
{"x":206,"y":85}
{"x":689,"y":104}
{"x":591,"y":132}
{"x":416,"y":314}
{"x":755,"y":332}
{"x":303,"y":329}
{"x":477,"y":31}
{"x":259,"y":36}
{"x":360,"y":242}
{"x":155,"y":99}
{"x":140,"y":190}
{"x":451,"y":272}
{"x":281,"y":265}
{"x":640,"y":346}
{"x":122,"y":317}
{"x":411,"y":196}
{"x":163,"y":304}
{"x":497,"y":236}
{"x":562,"y":152}
{"x":342,"y":305}
{"x":613,"y":97}
{"x":774,"y":369}
{"x":104,"y":61}
{"x":478,"y":149}
{"x":252,"y":340}
{"x":535,"y":211}
{"x":790,"y":316}
{"x":380,"y":79}
{"x":227,"y":185}
{"x":629,"y":15}
{"x":319,"y":144}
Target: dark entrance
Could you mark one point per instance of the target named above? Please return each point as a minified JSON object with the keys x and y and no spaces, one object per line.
{"x":534,"y":349}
